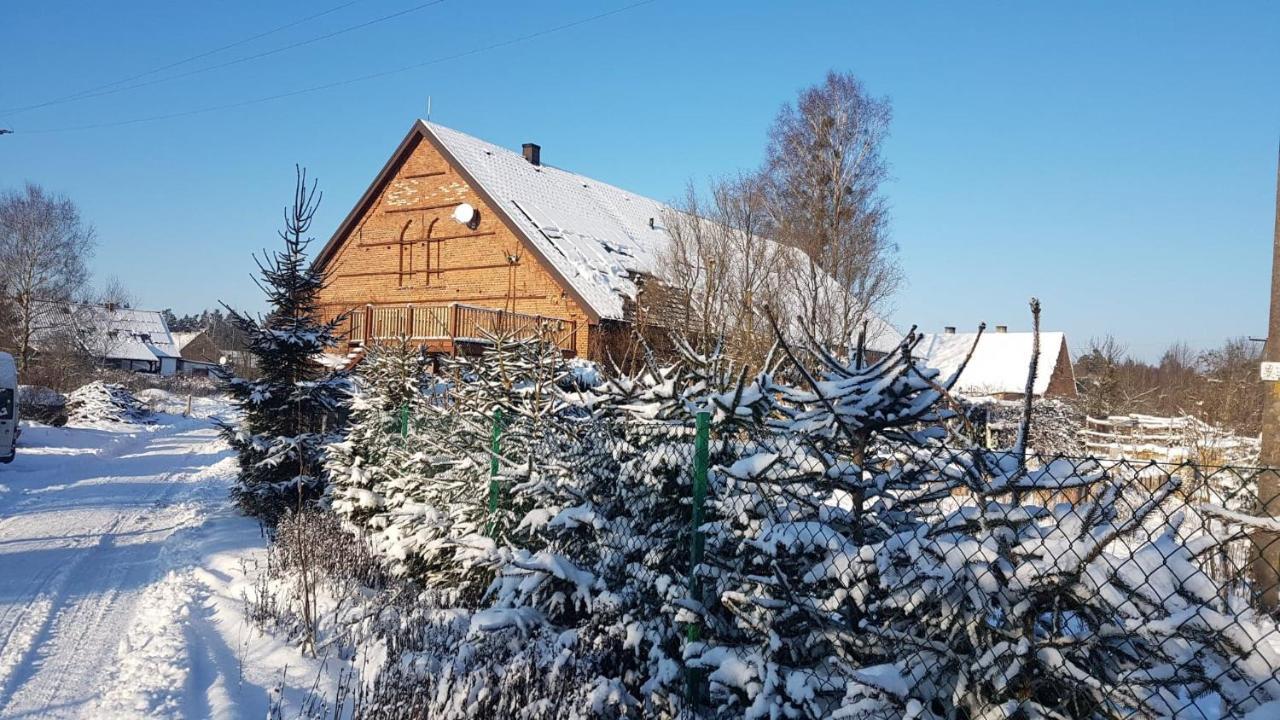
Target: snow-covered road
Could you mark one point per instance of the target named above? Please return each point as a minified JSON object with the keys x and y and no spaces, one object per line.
{"x":121,"y":574}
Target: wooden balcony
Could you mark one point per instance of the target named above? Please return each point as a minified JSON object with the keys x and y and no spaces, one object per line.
{"x":451,"y":328}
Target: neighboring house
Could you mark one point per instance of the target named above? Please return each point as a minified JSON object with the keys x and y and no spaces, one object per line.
{"x":199,"y":354}
{"x":116,"y":337}
{"x":456,"y":237}
{"x":1001,"y":362}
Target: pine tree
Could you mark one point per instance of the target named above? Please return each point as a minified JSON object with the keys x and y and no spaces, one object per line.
{"x":451,"y":502}
{"x":809,"y":487}
{"x":364,"y":467}
{"x":588,"y":550}
{"x":1007,"y":606}
{"x":290,"y":412}
{"x":519,"y":537}
{"x":650,"y":526}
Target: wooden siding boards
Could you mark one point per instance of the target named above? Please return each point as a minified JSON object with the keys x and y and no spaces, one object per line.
{"x":201,"y":349}
{"x":400,"y":245}
{"x":1063,"y":382}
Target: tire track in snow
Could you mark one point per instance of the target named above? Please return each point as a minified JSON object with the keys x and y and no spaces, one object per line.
{"x":33,"y":623}
{"x":17,"y":618}
{"x":71,"y":618}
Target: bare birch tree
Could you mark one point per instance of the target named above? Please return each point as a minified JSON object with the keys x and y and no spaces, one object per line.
{"x":44,"y":244}
{"x":720,"y":270}
{"x":822,"y":175}
{"x":114,"y":294}
{"x":693,"y":278}
{"x":807,"y":234}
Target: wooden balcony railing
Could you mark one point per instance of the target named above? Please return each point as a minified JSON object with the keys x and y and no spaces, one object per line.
{"x":446,"y":325}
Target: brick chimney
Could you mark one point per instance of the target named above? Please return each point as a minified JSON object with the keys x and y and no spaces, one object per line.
{"x":1002,"y":328}
{"x":949,"y":330}
{"x":533,"y":153}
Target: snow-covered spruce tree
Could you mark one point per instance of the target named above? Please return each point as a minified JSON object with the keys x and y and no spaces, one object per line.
{"x":1005,"y":607}
{"x":589,"y":552}
{"x":1085,"y":610}
{"x":441,"y":529}
{"x":649,"y":529}
{"x":543,"y":620}
{"x":809,"y":487}
{"x":388,"y":394}
{"x":290,"y":411}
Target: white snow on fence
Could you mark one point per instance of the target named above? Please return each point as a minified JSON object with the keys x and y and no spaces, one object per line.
{"x":1165,"y":439}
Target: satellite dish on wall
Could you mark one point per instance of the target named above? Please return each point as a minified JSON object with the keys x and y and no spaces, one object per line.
{"x":465,"y":214}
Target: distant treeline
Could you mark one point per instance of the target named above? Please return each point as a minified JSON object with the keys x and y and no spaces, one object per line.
{"x":215,"y":323}
{"x":1220,"y":386}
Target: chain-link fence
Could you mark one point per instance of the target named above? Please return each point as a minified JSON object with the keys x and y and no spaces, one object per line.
{"x":692,"y":542}
{"x":914,"y":580}
{"x":922,"y":581}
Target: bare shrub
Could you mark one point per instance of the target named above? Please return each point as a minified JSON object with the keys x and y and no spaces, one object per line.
{"x":311,"y":554}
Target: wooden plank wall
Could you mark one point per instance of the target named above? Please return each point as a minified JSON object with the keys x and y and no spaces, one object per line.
{"x":406,"y":248}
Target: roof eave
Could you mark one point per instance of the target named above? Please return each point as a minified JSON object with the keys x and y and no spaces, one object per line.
{"x":421,"y":130}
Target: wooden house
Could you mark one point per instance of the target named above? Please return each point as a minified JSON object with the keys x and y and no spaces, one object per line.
{"x":199,"y":355}
{"x":1001,"y":362}
{"x":456,"y":238}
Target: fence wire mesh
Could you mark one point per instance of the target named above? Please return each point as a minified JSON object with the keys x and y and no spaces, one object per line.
{"x":919,"y":580}
{"x":932,"y":582}
{"x":815,"y":549}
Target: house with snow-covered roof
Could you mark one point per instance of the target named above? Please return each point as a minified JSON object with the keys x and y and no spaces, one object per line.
{"x":457,"y":237}
{"x":116,"y":337}
{"x":1000,"y":362}
{"x":198,"y":353}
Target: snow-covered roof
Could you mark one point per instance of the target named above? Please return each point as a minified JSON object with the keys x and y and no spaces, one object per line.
{"x":134,"y":334}
{"x":597,"y":236}
{"x":113,"y":333}
{"x":1000,"y":362}
{"x":183,"y":339}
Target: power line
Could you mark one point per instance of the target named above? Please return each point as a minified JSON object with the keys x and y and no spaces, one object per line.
{"x":185,"y":60}
{"x":349,"y":81}
{"x":229,"y":63}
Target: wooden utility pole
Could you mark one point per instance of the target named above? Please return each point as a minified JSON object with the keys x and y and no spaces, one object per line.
{"x":1266,"y":564}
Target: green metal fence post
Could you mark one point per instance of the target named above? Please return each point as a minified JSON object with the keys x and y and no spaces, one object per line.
{"x":697,"y":541}
{"x":495,"y":447}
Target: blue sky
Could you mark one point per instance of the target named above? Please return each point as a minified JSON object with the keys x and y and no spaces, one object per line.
{"x":1116,"y":159}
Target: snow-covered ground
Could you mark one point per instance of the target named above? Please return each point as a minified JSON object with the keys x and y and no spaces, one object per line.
{"x":122,"y":574}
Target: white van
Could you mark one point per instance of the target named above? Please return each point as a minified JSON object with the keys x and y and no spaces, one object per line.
{"x":8,"y":408}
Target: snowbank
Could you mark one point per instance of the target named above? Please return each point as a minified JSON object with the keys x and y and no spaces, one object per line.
{"x":157,"y":400}
{"x":100,"y":402}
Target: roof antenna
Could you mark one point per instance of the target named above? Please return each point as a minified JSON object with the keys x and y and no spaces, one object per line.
{"x":428,"y":108}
